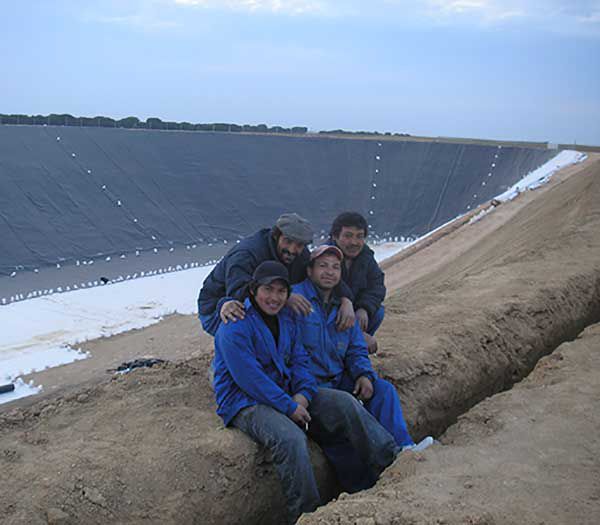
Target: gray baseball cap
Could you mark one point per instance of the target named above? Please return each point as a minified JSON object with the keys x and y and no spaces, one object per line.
{"x":295,"y":227}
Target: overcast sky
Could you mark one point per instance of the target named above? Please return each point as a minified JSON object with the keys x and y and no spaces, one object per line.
{"x":506,"y":69}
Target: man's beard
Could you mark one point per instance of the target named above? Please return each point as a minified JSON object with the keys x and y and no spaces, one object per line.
{"x":287,"y":255}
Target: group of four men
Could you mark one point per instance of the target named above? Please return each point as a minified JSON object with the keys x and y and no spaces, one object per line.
{"x":293,"y":330}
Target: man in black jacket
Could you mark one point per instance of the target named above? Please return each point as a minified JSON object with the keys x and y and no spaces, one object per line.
{"x":360,"y":272}
{"x":224,"y":289}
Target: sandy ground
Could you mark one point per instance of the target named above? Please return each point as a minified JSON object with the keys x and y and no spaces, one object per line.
{"x":460,"y":327}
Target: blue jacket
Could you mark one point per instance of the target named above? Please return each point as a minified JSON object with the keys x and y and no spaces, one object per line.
{"x":234,"y":271}
{"x":332,"y":353}
{"x":365,"y":280}
{"x":250,"y":369}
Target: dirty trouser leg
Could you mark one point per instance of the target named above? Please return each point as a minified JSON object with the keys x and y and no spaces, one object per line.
{"x":289,"y":449}
{"x":385,"y":407}
{"x":337,"y":417}
{"x":352,"y":474}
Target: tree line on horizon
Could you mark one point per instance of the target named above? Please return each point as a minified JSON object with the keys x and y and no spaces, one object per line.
{"x":64,"y":119}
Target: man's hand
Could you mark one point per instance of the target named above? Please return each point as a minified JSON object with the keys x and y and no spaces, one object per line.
{"x":299,"y":304}
{"x":301,"y":417}
{"x":301,"y":400}
{"x":363,"y":318}
{"x":363,"y":388}
{"x":345,"y":316}
{"x":371,"y":343}
{"x":232,"y":311}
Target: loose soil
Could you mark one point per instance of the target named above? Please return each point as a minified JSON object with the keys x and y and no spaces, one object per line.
{"x":525,"y":456}
{"x":471,"y":315}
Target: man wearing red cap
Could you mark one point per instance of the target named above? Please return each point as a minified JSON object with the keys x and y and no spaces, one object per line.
{"x":339,"y":359}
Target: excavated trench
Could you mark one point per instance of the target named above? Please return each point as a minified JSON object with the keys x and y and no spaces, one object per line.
{"x":496,"y":349}
{"x":501,"y":352}
{"x":528,"y":455}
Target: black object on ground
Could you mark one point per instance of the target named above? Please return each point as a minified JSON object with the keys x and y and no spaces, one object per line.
{"x":127,"y":366}
{"x":5,"y":389}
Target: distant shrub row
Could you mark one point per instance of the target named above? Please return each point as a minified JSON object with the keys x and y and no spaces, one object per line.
{"x":135,"y":123}
{"x":155,"y":123}
{"x":344,"y":132}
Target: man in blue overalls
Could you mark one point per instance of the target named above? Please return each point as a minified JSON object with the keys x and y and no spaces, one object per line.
{"x":264,"y":387}
{"x":340,"y":359}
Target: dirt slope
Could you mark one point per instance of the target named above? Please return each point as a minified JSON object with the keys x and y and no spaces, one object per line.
{"x":147,"y":447}
{"x":526,"y":456}
{"x":144,"y":447}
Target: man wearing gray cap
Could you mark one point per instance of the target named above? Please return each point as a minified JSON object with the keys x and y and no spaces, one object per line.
{"x":223,"y":291}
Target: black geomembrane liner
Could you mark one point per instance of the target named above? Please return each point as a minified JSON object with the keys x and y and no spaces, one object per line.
{"x":68,"y":193}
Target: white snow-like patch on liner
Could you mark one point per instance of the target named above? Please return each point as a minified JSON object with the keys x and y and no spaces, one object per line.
{"x":40,"y":332}
{"x":53,"y":324}
{"x":542,"y":175}
{"x":535,"y":179}
{"x":387,"y":249}
{"x":481,"y":214}
{"x":20,"y":362}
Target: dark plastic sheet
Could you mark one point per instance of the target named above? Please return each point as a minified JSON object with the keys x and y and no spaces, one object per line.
{"x":68,"y":193}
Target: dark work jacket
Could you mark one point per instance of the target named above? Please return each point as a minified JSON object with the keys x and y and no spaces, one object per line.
{"x":234,"y":271}
{"x":332,"y":353}
{"x":252,"y":368}
{"x":365,"y":280}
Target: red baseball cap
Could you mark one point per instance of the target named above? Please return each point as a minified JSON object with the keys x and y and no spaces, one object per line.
{"x":326,"y":248}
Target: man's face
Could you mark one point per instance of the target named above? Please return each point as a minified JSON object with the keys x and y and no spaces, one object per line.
{"x":288,"y":249}
{"x":325,"y":272}
{"x":351,"y":241}
{"x":271,"y":297}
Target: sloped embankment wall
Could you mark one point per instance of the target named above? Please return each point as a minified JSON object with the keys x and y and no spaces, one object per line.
{"x":68,"y":193}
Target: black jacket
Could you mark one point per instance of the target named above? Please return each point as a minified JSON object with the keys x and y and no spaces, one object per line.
{"x":365,"y":280}
{"x":234,"y":271}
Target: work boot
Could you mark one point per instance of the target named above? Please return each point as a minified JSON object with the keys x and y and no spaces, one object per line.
{"x":420,"y":446}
